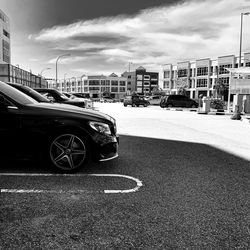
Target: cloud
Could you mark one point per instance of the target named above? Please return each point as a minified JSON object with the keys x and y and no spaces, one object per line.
{"x":165,"y":34}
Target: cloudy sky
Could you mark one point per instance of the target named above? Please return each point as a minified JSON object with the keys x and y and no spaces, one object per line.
{"x":103,"y":36}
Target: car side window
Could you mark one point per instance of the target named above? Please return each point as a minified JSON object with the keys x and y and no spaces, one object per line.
{"x":5,"y":103}
{"x":49,"y":96}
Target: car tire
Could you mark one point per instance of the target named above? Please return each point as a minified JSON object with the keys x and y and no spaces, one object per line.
{"x":133,"y":105}
{"x":125,"y":105}
{"x":68,"y":151}
{"x":169,"y":105}
{"x":193,"y":106}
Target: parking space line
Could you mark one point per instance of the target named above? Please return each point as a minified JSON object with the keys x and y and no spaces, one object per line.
{"x":108,"y":191}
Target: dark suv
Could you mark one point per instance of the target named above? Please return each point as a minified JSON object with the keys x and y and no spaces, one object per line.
{"x":64,"y":136}
{"x":178,"y":101}
{"x":135,"y":101}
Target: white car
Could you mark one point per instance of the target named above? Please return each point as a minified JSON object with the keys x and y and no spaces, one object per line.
{"x":154,"y":100}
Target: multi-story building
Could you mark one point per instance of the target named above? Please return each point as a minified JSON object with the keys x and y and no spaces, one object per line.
{"x":11,"y":73}
{"x":141,"y":81}
{"x":8,"y":72}
{"x":201,"y":76}
{"x":4,"y":38}
{"x":96,"y":85}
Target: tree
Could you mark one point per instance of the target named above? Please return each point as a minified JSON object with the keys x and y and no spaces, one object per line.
{"x":182,"y":87}
{"x":158,"y":91}
{"x":220,"y":88}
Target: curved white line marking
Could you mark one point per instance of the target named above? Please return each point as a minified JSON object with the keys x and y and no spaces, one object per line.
{"x":116,"y":191}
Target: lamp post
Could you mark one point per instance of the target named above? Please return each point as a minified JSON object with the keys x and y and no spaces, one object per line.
{"x":82,"y":82}
{"x":129,"y":63}
{"x":241,"y":24}
{"x":57,"y":62}
{"x":43,"y":71}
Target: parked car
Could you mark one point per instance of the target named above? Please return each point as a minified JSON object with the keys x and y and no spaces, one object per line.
{"x":65,"y":136}
{"x":107,"y":99}
{"x":41,"y":98}
{"x":135,"y":101}
{"x":85,"y":95}
{"x":154,"y":100}
{"x":88,"y":101}
{"x":55,"y":96}
{"x":178,"y":101}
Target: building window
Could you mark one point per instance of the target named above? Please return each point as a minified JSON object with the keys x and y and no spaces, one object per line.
{"x":94,"y":88}
{"x":203,"y":71}
{"x":6,"y":51}
{"x":166,"y":84}
{"x":248,"y":64}
{"x":201,"y":83}
{"x":122,"y":83}
{"x":7,"y":34}
{"x":146,"y":77}
{"x":94,"y":82}
{"x":139,"y":77}
{"x":114,"y":83}
{"x":222,"y":69}
{"x":167,"y":74}
{"x":114,"y":89}
{"x":122,"y":89}
{"x":146,"y":83}
{"x":224,"y":80}
{"x":182,"y":73}
{"x":139,"y":83}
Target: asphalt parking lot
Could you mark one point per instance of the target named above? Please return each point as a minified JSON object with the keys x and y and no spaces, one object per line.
{"x":181,"y":182}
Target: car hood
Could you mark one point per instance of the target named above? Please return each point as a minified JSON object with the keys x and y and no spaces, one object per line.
{"x":73,"y":110}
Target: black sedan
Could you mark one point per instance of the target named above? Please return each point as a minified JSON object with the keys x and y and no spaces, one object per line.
{"x":64,"y":136}
{"x":55,"y":96}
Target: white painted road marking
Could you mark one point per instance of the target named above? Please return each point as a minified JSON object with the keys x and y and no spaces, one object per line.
{"x":135,"y":189}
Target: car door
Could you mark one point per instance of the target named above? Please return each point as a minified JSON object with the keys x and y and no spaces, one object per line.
{"x":9,"y":127}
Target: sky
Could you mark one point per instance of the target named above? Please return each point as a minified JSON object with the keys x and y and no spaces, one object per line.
{"x":108,"y":36}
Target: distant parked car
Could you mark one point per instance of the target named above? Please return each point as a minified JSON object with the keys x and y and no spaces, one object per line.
{"x":55,"y":96}
{"x":178,"y":101}
{"x":135,"y":101}
{"x":107,"y":99}
{"x":154,"y":100}
{"x":88,"y":101}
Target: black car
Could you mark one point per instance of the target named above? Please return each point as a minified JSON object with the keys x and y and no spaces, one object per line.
{"x":30,"y":92}
{"x":178,"y":101}
{"x":55,"y":96}
{"x":63,"y":135}
{"x":135,"y":101}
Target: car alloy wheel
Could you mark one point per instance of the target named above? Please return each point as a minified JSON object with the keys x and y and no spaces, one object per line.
{"x":68,"y":152}
{"x":169,"y":105}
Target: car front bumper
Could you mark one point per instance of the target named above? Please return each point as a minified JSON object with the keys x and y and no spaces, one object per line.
{"x":105,"y":148}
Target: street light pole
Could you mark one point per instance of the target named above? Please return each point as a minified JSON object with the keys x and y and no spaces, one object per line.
{"x":241,"y":24}
{"x":43,"y":71}
{"x":57,"y":62}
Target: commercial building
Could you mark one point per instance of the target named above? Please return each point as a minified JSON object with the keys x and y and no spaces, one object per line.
{"x":8,"y":72}
{"x":201,"y":76}
{"x":4,"y":38}
{"x":11,"y":73}
{"x":141,"y":81}
{"x":95,"y":85}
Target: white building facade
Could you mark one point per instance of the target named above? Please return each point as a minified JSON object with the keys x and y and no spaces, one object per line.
{"x":200,"y":76}
{"x":96,"y":85}
{"x":4,"y":38}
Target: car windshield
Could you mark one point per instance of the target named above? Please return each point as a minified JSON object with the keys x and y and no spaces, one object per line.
{"x":16,"y":95}
{"x":32,"y":93}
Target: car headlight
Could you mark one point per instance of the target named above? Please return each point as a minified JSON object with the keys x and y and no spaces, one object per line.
{"x":100,"y":127}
